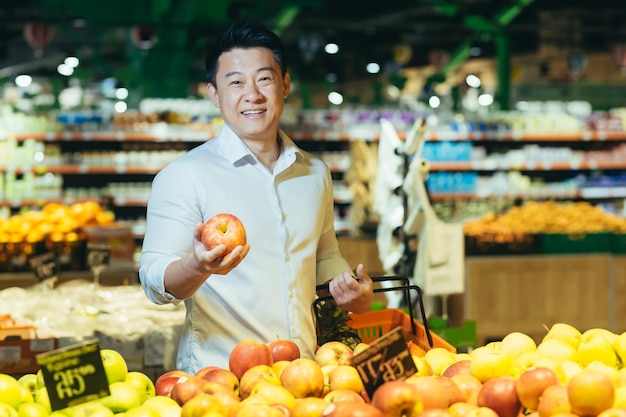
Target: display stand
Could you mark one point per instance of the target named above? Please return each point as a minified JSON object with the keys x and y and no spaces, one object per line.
{"x":436,"y":262}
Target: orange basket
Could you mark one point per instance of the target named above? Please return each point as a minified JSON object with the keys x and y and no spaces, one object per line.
{"x":374,"y":324}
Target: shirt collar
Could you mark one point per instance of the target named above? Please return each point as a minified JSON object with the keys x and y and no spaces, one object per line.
{"x":235,"y":150}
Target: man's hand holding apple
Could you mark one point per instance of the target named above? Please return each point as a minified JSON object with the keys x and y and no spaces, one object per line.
{"x":355,"y":294}
{"x":221,"y":258}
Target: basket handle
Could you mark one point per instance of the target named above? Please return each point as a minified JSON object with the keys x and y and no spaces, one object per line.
{"x":406,"y":287}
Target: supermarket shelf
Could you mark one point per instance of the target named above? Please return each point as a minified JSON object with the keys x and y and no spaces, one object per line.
{"x":538,"y":166}
{"x":76,"y":169}
{"x":118,"y":136}
{"x":583,"y":193}
{"x":195,"y":136}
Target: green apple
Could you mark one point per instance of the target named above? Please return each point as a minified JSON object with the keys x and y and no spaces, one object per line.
{"x":10,"y":391}
{"x":32,"y":410}
{"x":124,"y":396}
{"x":115,"y":365}
{"x":142,"y":411}
{"x":7,"y":411}
{"x":143,"y":384}
{"x":29,"y":381}
{"x":41,"y":397}
{"x":40,"y":381}
{"x":165,"y":406}
{"x":90,"y":409}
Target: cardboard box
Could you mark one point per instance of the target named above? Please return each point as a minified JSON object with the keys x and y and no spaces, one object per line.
{"x":19,"y":356}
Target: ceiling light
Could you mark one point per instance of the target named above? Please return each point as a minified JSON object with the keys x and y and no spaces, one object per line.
{"x":434,"y":102}
{"x":23,"y":80}
{"x":120,"y":107}
{"x":372,"y":68}
{"x":121,"y":93}
{"x":473,"y":81}
{"x":71,"y":61}
{"x":485,"y":99}
{"x":331,"y":48}
{"x":65,"y":69}
{"x":335,"y":98}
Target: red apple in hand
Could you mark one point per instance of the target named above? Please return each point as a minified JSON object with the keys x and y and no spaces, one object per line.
{"x":246,"y":354}
{"x":223,"y":229}
{"x":284,"y":350}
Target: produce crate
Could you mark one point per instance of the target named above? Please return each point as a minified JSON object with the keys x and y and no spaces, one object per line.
{"x":528,"y":244}
{"x":561,"y":243}
{"x":618,"y":243}
{"x":19,"y":356}
{"x":374,"y":324}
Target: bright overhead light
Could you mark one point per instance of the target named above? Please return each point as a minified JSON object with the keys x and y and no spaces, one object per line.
{"x":473,"y":81}
{"x":331,"y":48}
{"x":121,"y":93}
{"x":120,"y":107}
{"x":335,"y":98}
{"x":485,"y":99}
{"x":23,"y":80}
{"x":434,"y":102}
{"x":372,"y":68}
{"x":65,"y":69}
{"x":71,"y":61}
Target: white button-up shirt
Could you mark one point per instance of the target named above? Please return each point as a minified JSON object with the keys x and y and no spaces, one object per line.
{"x":288,"y":215}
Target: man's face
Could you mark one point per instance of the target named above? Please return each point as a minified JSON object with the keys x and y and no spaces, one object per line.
{"x":250,"y":92}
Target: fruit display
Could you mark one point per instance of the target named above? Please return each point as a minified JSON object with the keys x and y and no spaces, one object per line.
{"x":568,"y":373}
{"x":57,"y":228}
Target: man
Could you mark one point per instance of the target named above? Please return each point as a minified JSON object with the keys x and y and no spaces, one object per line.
{"x":283,"y":195}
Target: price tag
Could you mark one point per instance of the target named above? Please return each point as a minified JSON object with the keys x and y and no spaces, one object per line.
{"x":98,"y":254}
{"x":386,"y":359}
{"x":46,"y":266}
{"x":74,"y":375}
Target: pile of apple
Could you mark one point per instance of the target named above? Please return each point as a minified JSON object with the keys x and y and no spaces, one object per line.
{"x":568,"y":374}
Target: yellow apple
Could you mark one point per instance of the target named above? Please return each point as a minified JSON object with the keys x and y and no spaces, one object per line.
{"x":7,"y":411}
{"x":166,"y":406}
{"x":275,"y":394}
{"x":590,"y":393}
{"x":303,"y":377}
{"x":488,"y":363}
{"x":439,"y":359}
{"x":557,"y":349}
{"x":517,"y":343}
{"x":565,"y":370}
{"x":143,"y":384}
{"x":597,"y":346}
{"x":620,"y":397}
{"x":565,"y":333}
{"x":360,"y":348}
{"x":253,"y":375}
{"x":124,"y":396}
{"x":334,"y":353}
{"x":345,"y":377}
{"x":32,"y":409}
{"x":609,"y":371}
{"x":308,"y":407}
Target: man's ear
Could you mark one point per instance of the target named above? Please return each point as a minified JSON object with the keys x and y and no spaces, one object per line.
{"x":215,"y":98}
{"x":286,"y":84}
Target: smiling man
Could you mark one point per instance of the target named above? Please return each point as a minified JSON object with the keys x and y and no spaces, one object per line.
{"x":284,"y":198}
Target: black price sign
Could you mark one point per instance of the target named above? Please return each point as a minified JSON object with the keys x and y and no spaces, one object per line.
{"x":98,"y":254}
{"x":386,"y":359}
{"x":46,"y":266}
{"x":74,"y":375}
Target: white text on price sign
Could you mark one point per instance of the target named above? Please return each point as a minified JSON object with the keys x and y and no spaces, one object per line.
{"x":386,"y":359}
{"x":74,"y":375}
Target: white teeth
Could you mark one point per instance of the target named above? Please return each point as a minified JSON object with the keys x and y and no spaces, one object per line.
{"x":253,"y":112}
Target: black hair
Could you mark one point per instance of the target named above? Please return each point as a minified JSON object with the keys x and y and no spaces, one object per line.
{"x":244,"y":35}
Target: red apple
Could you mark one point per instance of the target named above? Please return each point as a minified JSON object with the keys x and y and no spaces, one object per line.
{"x":554,"y":400}
{"x":303,"y":377}
{"x":590,"y":393}
{"x":334,"y":353}
{"x":500,"y":395}
{"x":468,"y":384}
{"x":343,"y":395}
{"x":397,"y":399}
{"x":308,"y":407}
{"x":430,"y":390}
{"x":164,"y":383}
{"x":222,"y":376}
{"x":435,"y":412}
{"x":456,"y":368}
{"x":223,"y":229}
{"x":253,"y":376}
{"x":284,"y":350}
{"x":203,"y":404}
{"x":186,"y":388}
{"x":206,"y":369}
{"x":531,"y":383}
{"x":246,"y":354}
{"x":455,"y":395}
{"x":343,"y":409}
